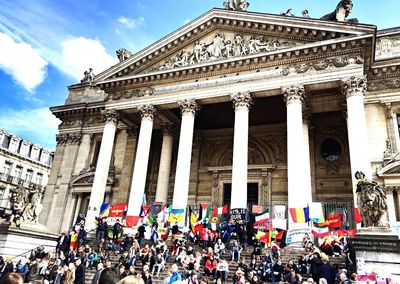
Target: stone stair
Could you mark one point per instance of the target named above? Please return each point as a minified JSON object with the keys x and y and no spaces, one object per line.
{"x":286,"y":254}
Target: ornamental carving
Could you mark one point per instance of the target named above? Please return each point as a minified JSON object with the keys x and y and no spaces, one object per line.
{"x":147,"y":111}
{"x":387,"y":47}
{"x":110,"y":116}
{"x":237,"y":5}
{"x":241,"y":100}
{"x":71,"y":122}
{"x":354,"y":86}
{"x":74,"y":138}
{"x":129,"y":94}
{"x":221,"y":47}
{"x":62,"y":138}
{"x":293,"y":94}
{"x":388,"y":84}
{"x":188,"y":106}
{"x":123,"y":54}
{"x":337,"y":62}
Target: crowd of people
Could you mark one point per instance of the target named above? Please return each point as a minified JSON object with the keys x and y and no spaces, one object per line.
{"x":206,"y":257}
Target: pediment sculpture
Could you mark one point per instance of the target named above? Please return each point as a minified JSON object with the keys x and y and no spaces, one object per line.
{"x":238,"y":5}
{"x":342,"y":11}
{"x":223,"y":46}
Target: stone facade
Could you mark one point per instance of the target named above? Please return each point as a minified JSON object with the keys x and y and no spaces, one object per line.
{"x":288,"y":107}
{"x":22,"y":164}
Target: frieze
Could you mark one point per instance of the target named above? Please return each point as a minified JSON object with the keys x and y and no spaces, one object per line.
{"x":375,"y":245}
{"x":223,"y":46}
{"x":320,"y":65}
{"x":387,"y":47}
{"x":71,"y":122}
{"x":387,"y":84}
{"x":129,"y":94}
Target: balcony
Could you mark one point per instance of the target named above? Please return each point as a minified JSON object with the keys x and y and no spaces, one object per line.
{"x":7,"y":178}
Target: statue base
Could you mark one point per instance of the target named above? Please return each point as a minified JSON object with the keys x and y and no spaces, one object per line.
{"x":18,"y":242}
{"x":377,"y":251}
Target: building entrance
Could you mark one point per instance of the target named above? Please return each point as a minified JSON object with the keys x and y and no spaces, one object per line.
{"x":252,"y":194}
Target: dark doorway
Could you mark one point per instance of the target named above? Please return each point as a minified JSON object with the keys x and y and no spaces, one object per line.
{"x":252,"y":194}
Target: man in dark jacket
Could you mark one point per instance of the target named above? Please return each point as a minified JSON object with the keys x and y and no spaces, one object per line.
{"x":79,"y":272}
{"x":33,"y":272}
{"x":327,"y":272}
{"x":315,"y":267}
{"x":62,"y":243}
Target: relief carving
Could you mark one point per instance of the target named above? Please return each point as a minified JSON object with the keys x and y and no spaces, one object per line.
{"x":221,"y":47}
{"x":387,"y":84}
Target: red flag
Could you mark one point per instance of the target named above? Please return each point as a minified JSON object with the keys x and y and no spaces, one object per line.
{"x":280,"y":235}
{"x":221,"y":210}
{"x":265,"y":239}
{"x":118,"y":210}
{"x":132,"y":221}
{"x":357,"y":215}
{"x":333,"y":221}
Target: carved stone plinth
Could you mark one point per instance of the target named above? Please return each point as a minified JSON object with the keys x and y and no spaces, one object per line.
{"x":376,"y":249}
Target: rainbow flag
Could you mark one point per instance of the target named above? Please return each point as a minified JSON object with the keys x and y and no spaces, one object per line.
{"x":299,"y":215}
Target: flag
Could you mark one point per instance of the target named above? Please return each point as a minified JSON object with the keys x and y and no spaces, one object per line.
{"x":266,"y":238}
{"x":205,"y":211}
{"x":156,"y":209}
{"x":105,"y":210}
{"x":260,"y":234}
{"x":221,"y":210}
{"x":132,"y":221}
{"x":316,"y":212}
{"x":320,"y":232}
{"x":280,"y":235}
{"x":357,"y":215}
{"x":333,"y":221}
{"x":118,"y":210}
{"x":299,"y":215}
{"x":192,"y":219}
{"x":261,"y":218}
{"x":280,"y":224}
{"x":176,"y":216}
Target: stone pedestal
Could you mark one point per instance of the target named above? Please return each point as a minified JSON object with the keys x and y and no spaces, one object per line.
{"x":17,"y":242}
{"x":377,"y":250}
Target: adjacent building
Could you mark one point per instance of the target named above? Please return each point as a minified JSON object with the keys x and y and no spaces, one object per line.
{"x":237,"y":108}
{"x":22,"y":164}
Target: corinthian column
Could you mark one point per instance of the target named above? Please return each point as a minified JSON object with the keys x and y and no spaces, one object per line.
{"x":181,"y":188}
{"x":102,"y":168}
{"x":138,"y":185}
{"x":299,"y":181}
{"x":241,"y":103}
{"x":354,"y":89}
{"x":164,"y":170}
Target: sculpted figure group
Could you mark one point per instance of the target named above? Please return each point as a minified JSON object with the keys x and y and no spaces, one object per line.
{"x":223,"y":48}
{"x":25,"y":205}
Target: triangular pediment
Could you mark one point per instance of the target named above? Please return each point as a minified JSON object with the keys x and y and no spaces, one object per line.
{"x":227,"y":35}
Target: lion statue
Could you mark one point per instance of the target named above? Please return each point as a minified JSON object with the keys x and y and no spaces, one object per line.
{"x":371,"y":199}
{"x":342,"y":11}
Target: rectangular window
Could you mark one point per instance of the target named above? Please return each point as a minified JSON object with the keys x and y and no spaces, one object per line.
{"x":7,"y":168}
{"x":18,"y":172}
{"x":39,"y":178}
{"x":28,"y":176}
{"x":96,"y":153}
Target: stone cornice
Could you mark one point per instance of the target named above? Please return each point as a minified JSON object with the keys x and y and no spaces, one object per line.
{"x":256,"y":21}
{"x":278,"y":57}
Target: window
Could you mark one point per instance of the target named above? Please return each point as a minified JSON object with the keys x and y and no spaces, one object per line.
{"x":330,"y":150}
{"x":28,"y":176}
{"x":7,"y":168}
{"x":14,"y":145}
{"x":96,"y":153}
{"x":39,"y":178}
{"x":18,"y":172}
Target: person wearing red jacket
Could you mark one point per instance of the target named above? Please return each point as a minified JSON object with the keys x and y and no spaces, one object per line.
{"x":210,"y":267}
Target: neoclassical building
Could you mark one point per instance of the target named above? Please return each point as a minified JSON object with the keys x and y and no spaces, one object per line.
{"x":237,"y":108}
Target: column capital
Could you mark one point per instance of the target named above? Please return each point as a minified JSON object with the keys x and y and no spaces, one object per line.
{"x":388,"y":108}
{"x":354,"y":86}
{"x":241,"y":100}
{"x":293,"y":94}
{"x":110,"y":116}
{"x":390,"y":189}
{"x":62,"y":138}
{"x":147,"y":112}
{"x":189,"y":106}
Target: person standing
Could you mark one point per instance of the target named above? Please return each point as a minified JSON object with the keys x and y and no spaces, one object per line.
{"x":141,"y":232}
{"x":176,"y":276}
{"x":79,"y":272}
{"x":117,"y":230}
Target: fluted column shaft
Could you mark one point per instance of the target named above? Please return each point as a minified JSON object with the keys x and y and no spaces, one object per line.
{"x":307,"y":159}
{"x":182,"y":176}
{"x":102,"y":168}
{"x":241,"y":103}
{"x":138,"y":184}
{"x":299,"y":180}
{"x":164,"y":170}
{"x":354,"y":88}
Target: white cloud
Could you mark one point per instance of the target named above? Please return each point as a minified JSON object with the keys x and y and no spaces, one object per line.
{"x":22,"y":62}
{"x":80,"y":54}
{"x":131,"y":23}
{"x":37,"y":125}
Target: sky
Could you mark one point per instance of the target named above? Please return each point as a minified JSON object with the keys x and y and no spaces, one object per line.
{"x":46,"y":45}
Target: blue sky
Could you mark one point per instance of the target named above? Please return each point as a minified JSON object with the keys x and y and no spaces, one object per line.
{"x":45,"y":45}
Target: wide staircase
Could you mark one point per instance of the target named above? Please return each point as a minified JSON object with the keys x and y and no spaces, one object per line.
{"x":286,"y":254}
